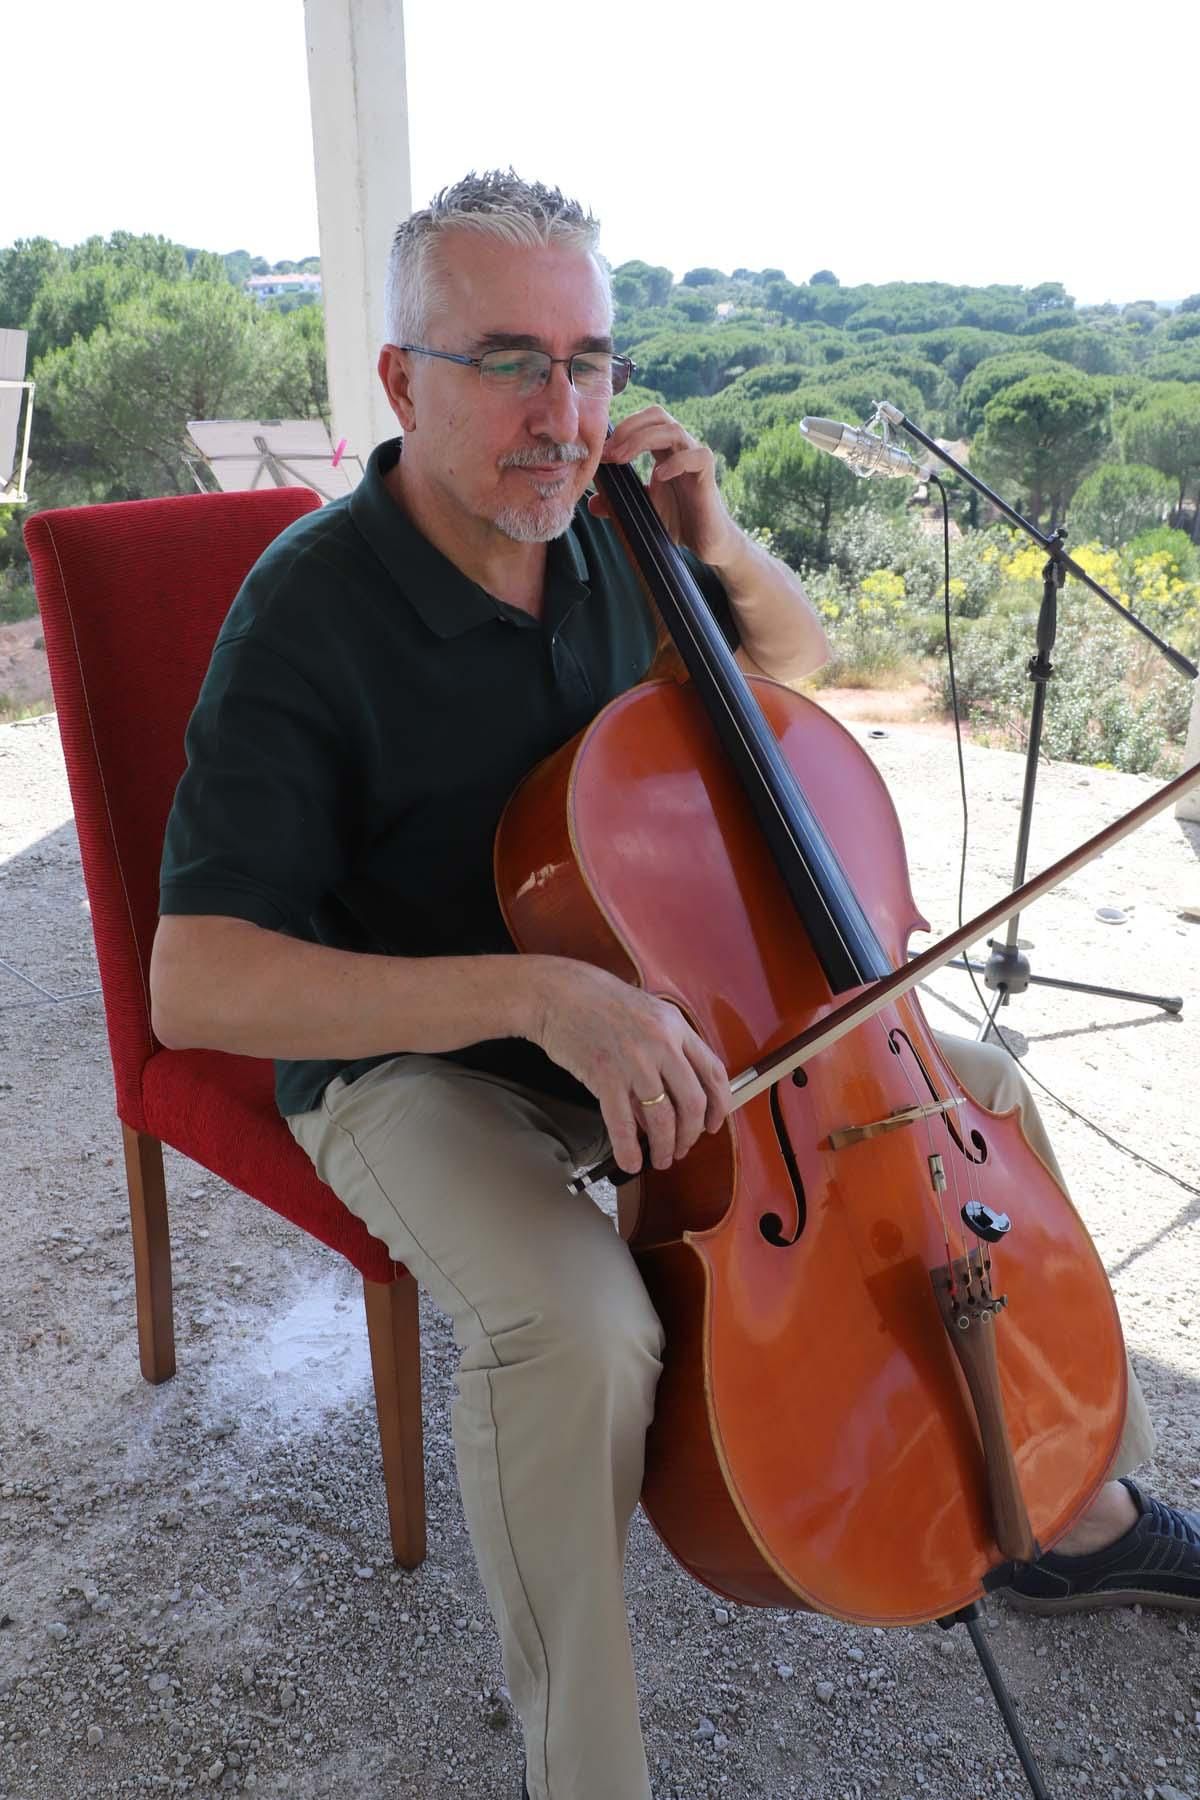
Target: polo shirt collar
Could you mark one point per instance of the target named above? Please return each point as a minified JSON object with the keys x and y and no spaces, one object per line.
{"x":445,"y":599}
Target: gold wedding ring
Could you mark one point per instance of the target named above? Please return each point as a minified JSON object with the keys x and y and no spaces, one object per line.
{"x":654,"y":1101}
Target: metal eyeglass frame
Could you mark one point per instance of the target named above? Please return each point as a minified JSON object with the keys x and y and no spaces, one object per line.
{"x":476,"y":362}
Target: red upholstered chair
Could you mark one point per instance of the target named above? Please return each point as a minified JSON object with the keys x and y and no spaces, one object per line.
{"x":132,"y":597}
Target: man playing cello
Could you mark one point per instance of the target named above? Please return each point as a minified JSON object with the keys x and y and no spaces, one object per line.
{"x":393,"y":666}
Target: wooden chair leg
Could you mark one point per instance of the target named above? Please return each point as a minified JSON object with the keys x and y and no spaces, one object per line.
{"x":151,"y":1254}
{"x":394,"y":1332}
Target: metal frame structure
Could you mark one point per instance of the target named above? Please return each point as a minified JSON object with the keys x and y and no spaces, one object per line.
{"x":20,"y":497}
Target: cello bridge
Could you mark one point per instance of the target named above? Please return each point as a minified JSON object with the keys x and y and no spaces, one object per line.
{"x":905,"y":1115}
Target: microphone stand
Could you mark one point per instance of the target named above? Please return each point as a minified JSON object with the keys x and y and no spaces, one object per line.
{"x":1007,"y":971}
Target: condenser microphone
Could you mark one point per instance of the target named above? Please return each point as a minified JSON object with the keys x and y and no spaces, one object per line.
{"x":866,"y":453}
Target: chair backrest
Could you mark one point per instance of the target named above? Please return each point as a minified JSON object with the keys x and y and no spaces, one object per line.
{"x":132,"y":596}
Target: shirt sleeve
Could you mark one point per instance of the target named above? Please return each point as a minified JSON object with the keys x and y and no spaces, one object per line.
{"x":260,"y":824}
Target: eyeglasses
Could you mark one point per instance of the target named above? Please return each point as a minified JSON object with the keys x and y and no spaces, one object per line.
{"x":526,"y":372}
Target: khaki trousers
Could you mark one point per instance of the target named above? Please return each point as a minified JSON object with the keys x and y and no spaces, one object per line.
{"x":464,"y":1177}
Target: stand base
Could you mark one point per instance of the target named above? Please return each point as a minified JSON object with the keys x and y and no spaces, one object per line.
{"x":1007,"y":972}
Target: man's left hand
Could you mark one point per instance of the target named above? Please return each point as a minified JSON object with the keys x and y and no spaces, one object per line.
{"x":683,"y":483}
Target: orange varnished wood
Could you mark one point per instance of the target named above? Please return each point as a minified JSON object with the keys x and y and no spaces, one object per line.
{"x":814,"y":1443}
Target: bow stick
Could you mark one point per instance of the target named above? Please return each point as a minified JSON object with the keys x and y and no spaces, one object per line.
{"x":775,"y":1064}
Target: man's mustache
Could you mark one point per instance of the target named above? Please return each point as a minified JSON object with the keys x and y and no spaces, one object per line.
{"x":541,"y":454}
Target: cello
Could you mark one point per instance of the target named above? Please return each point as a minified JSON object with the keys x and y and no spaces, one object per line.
{"x":880,"y":1390}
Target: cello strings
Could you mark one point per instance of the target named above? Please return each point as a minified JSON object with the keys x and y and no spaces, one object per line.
{"x":951,"y":1159}
{"x":643,"y":521}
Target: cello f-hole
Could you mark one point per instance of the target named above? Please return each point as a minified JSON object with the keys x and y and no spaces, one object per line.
{"x":977,"y":1152}
{"x":770,"y":1224}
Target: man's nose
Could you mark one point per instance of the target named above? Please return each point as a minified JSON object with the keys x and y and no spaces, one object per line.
{"x":554,"y":409}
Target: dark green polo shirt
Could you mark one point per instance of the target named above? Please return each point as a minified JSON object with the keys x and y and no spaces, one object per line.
{"x":365,"y":717}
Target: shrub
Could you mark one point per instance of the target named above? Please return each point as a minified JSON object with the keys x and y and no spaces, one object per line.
{"x":1119,"y":500}
{"x":1103,"y":703}
{"x":17,"y":598}
{"x":873,"y":631}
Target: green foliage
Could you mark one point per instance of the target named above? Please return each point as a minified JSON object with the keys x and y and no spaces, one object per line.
{"x":1052,"y":319}
{"x":1182,"y":556}
{"x":886,"y":366}
{"x":206,"y":265}
{"x":636,"y":325}
{"x":1140,"y":315}
{"x":632,"y":400}
{"x":1181,"y":363}
{"x":882,"y":596}
{"x":1044,"y":434}
{"x":831,"y":304}
{"x":79,"y":290}
{"x":17,"y":598}
{"x":1118,"y":500}
{"x":302,"y":380}
{"x":179,"y":350}
{"x":683,"y":364}
{"x":290,"y":303}
{"x":25,"y":267}
{"x":868,"y":626}
{"x":1163,"y":429}
{"x":74,"y":302}
{"x":787,"y":487}
{"x":795,"y":304}
{"x":695,"y":307}
{"x":1184,"y":325}
{"x":960,"y":350}
{"x":16,"y":590}
{"x":994,"y":309}
{"x":871,"y":538}
{"x":1101,"y":707}
{"x":1048,"y":297}
{"x":991,"y":377}
{"x":1092,"y":351}
{"x":704,"y":278}
{"x":641,"y":284}
{"x":153,"y":255}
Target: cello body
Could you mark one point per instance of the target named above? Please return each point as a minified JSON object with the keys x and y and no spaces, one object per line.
{"x":814,"y":1442}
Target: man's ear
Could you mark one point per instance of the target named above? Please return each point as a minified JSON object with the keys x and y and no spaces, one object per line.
{"x":395,"y":374}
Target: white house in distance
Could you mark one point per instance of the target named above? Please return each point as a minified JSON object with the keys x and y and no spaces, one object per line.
{"x":266,"y":287}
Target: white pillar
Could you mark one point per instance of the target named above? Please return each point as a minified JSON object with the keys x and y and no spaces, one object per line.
{"x":1188,"y":805}
{"x":359,"y":100}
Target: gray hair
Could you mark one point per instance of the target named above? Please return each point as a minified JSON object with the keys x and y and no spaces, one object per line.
{"x":497,"y":203}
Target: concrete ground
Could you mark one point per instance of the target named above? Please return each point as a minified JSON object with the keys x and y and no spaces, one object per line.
{"x":195,"y":1588}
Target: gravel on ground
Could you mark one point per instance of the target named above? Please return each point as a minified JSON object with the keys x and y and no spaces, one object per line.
{"x":196,"y":1594}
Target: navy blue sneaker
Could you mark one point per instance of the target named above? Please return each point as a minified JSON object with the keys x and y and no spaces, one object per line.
{"x":1155,"y":1563}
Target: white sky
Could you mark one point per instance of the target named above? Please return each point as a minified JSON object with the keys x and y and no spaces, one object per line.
{"x":1033,"y":142}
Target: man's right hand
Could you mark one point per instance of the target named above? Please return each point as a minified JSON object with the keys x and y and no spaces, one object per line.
{"x":627,"y":1047}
